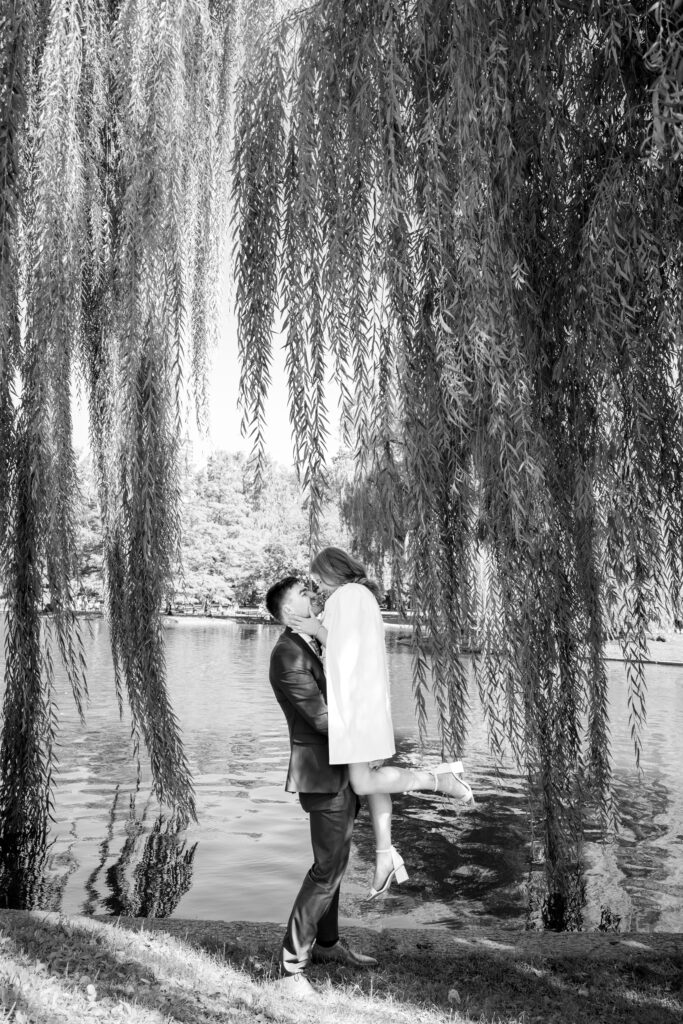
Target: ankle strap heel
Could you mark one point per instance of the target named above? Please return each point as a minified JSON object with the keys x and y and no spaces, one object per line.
{"x":448,"y":780}
{"x":398,"y":872}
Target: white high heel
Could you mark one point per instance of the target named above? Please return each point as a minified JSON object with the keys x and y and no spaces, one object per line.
{"x":398,"y":872}
{"x":455,"y":770}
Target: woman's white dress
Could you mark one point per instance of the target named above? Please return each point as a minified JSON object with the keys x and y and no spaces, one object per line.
{"x":359,"y":711}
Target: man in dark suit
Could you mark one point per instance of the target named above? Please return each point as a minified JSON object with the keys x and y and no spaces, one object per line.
{"x":298,"y":680}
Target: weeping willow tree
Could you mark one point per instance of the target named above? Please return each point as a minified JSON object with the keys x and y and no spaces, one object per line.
{"x":113,"y":160}
{"x":371,"y":507}
{"x":470,"y":215}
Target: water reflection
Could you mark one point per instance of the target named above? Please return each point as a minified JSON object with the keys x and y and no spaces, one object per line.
{"x":649,"y":858}
{"x":152,"y":872}
{"x":149,"y":877}
{"x":250,"y":850}
{"x":21,"y":876}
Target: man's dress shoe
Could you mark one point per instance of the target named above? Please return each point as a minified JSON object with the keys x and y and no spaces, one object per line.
{"x":297,"y":987}
{"x":341,"y":954}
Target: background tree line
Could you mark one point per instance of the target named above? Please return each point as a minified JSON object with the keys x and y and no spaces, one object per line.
{"x":235,"y":538}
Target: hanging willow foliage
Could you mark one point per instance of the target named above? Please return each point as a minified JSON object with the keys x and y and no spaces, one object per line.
{"x":113,"y":170}
{"x":471,"y":212}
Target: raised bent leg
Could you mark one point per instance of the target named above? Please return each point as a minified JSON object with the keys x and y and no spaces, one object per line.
{"x":367,"y":780}
{"x":377,"y":781}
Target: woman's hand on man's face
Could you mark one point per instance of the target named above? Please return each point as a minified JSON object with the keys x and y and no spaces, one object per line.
{"x":308,"y":625}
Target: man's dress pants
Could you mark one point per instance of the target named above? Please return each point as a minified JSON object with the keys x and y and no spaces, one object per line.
{"x":314,"y":915}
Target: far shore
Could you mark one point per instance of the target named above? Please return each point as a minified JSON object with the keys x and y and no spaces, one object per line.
{"x":392,"y":620}
{"x":665,"y":647}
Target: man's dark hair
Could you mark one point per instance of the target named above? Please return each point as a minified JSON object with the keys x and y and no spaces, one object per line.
{"x":276,"y":595}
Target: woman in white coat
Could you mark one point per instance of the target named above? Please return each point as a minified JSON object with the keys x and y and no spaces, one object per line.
{"x":360,"y":729}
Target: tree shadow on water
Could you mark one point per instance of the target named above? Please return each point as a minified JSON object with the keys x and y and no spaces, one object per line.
{"x":458,"y":860}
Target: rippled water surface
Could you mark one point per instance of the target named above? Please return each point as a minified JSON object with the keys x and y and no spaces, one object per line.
{"x":246,"y":857}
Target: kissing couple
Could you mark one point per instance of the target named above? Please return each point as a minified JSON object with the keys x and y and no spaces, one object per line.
{"x":341,"y":732}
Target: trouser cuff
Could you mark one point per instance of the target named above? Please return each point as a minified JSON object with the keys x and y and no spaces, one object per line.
{"x":290,"y":964}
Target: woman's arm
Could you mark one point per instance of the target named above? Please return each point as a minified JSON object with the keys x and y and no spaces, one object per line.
{"x":311,"y":627}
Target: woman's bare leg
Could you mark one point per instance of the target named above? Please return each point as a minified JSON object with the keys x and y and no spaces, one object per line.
{"x":386,"y":778}
{"x":377,"y":781}
{"x":379,"y":805}
{"x":366,"y":780}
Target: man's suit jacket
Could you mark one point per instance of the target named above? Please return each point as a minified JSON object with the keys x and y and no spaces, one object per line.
{"x":298,"y":679}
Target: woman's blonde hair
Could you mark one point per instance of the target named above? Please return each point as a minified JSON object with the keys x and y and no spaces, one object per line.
{"x":337,"y":567}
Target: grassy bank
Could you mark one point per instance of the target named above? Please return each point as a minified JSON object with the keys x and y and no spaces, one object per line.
{"x":74,"y":969}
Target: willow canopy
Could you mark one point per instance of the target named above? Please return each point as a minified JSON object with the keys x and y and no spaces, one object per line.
{"x":113,"y":161}
{"x":470,"y":214}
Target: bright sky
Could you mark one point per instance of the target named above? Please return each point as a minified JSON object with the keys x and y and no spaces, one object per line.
{"x":224,"y":417}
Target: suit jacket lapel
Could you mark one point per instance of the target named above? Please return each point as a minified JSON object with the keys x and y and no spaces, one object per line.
{"x":298,"y":639}
{"x":317,"y":668}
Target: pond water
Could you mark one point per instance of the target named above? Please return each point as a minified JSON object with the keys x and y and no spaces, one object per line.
{"x":246,"y":857}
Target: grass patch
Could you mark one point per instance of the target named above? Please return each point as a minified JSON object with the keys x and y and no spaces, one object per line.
{"x":75,"y":969}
